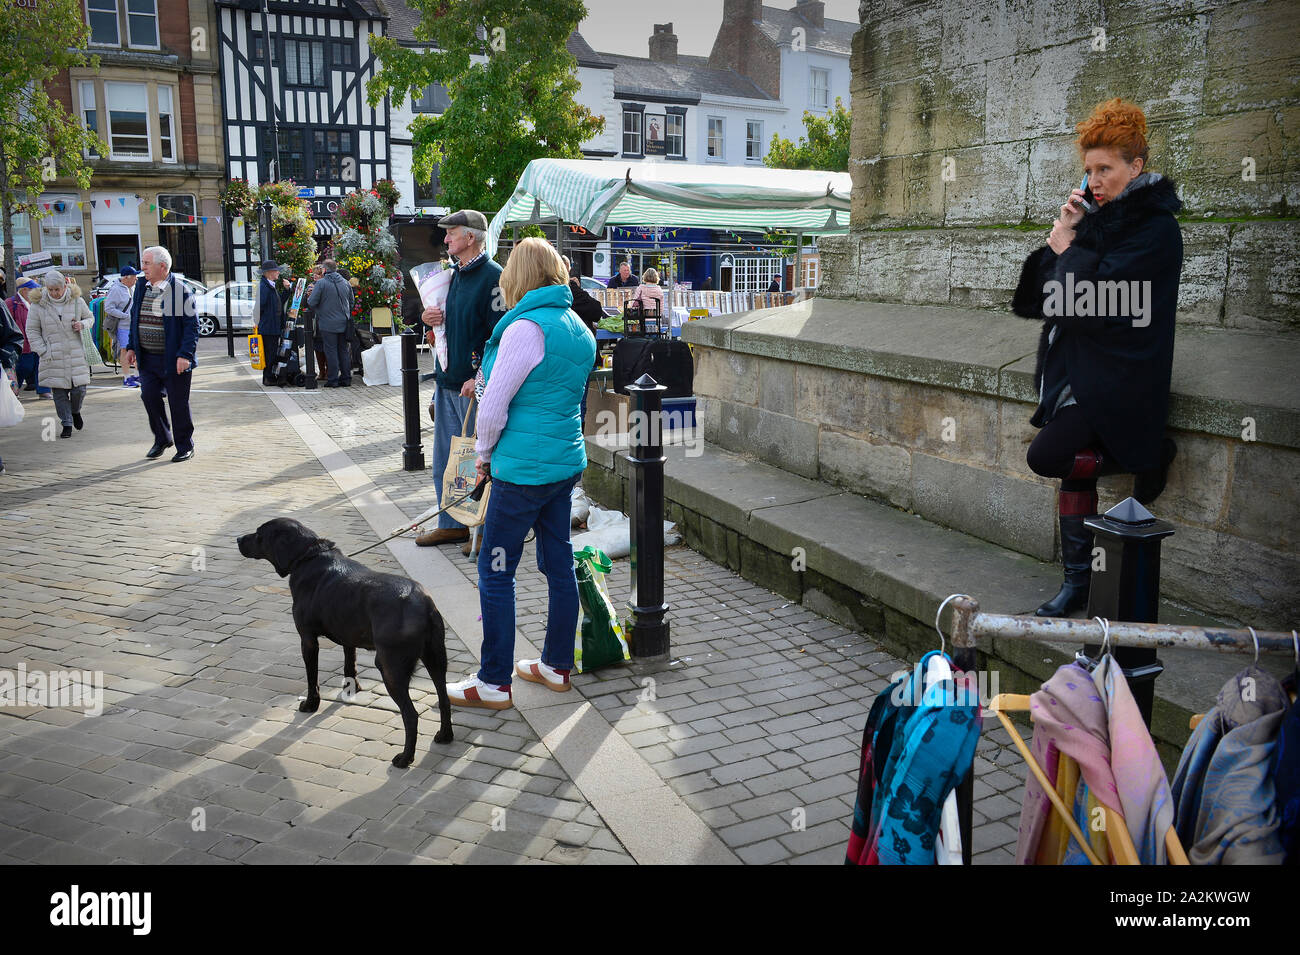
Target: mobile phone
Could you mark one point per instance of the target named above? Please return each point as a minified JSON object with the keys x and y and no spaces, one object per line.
{"x":1084,"y":203}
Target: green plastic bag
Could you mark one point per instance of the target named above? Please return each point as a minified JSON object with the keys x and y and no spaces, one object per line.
{"x":599,"y":641}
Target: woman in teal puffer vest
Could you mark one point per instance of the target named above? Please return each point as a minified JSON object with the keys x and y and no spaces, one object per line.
{"x":530,"y":441}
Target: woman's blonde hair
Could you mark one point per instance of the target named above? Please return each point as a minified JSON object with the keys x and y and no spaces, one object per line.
{"x":533,"y":263}
{"x":650,"y":277}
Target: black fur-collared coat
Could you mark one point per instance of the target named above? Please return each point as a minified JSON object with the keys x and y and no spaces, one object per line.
{"x":1117,"y":368}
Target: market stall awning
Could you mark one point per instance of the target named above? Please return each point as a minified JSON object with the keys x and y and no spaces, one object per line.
{"x":593,"y":194}
{"x":326,"y":226}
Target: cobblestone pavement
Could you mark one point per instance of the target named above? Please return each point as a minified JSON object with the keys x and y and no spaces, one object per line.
{"x":761,"y":712}
{"x":112,"y":563}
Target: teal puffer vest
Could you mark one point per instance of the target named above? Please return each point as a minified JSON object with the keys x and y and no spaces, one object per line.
{"x":542,"y":441}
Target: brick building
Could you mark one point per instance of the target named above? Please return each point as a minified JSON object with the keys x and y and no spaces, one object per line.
{"x":155,"y":101}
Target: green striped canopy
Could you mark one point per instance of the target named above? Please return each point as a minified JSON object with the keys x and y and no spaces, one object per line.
{"x":592,"y":193}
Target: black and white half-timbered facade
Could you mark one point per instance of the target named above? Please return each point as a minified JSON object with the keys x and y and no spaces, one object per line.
{"x":331,"y":141}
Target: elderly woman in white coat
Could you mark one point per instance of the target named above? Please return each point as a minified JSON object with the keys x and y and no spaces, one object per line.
{"x":54,"y":324}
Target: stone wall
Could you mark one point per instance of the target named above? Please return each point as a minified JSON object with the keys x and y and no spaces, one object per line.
{"x":927,"y":409}
{"x":963,"y":144}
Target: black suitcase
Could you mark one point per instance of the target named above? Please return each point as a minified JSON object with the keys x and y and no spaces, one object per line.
{"x":667,"y":360}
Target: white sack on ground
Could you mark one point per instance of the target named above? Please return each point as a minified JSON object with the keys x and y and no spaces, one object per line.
{"x":374,"y":366}
{"x":579,"y":508}
{"x":611,"y":532}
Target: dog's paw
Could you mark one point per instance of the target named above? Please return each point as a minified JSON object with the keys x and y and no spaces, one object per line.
{"x":444,"y":736}
{"x":309,"y":705}
{"x":401,"y":760}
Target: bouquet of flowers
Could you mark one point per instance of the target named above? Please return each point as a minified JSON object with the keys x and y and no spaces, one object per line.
{"x":433,"y":279}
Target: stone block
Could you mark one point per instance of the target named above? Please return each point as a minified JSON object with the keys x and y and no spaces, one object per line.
{"x":1264,"y":505}
{"x":720,"y":373}
{"x":708,"y":416}
{"x":933,"y":111}
{"x":834,"y":398}
{"x":941,"y":421}
{"x":776,"y":389}
{"x":1054,"y":168}
{"x":780,"y":440}
{"x":897,"y":41}
{"x":1197,"y":491}
{"x":1016,"y":514}
{"x":1263,"y":277}
{"x":1236,"y":576}
{"x":1205,"y":273}
{"x":875,"y":470}
{"x":770,"y":569}
{"x":830,"y":598}
{"x":1205,"y":156}
{"x":1028,"y":95}
{"x":986,"y":265}
{"x":989,"y":181}
{"x":904,"y":266}
{"x":1251,"y":57}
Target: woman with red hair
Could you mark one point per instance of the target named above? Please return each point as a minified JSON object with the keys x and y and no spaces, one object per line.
{"x":1106,"y":288}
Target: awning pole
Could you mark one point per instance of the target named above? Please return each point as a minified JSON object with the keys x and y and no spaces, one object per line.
{"x":798,"y":259}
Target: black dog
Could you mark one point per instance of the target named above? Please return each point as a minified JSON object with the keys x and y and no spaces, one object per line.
{"x":343,"y":600}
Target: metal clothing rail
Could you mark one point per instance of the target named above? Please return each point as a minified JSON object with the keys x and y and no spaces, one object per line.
{"x":969,"y":625}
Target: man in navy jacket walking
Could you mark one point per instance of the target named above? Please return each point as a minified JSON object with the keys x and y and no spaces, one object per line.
{"x":164,"y":337}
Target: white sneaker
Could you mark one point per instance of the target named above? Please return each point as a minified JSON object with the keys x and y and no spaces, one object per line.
{"x":472,"y":691}
{"x":535,"y":671}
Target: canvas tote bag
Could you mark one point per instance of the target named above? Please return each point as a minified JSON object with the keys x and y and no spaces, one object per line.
{"x":460,"y":477}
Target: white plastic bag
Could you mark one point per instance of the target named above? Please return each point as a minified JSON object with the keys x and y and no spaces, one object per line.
{"x":11,"y":409}
{"x":374,"y":366}
{"x":393,"y":357}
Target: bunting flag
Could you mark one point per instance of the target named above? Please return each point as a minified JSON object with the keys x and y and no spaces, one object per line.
{"x":81,"y":205}
{"x":121,"y":200}
{"x":108,"y":203}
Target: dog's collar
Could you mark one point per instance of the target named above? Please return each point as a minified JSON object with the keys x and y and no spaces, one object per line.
{"x":311,"y":553}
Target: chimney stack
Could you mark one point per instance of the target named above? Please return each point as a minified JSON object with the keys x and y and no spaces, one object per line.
{"x":663,"y":44}
{"x":813,"y":11}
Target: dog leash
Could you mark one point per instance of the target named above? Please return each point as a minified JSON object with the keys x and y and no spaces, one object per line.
{"x":475,"y":493}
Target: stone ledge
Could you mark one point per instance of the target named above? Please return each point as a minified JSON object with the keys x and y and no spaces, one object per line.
{"x":1220,"y":376}
{"x":874,"y":567}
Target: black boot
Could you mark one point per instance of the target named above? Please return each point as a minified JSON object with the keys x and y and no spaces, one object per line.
{"x":1076,"y":554}
{"x":1148,"y":485}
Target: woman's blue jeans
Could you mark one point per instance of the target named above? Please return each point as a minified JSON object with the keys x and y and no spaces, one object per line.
{"x":514,"y":509}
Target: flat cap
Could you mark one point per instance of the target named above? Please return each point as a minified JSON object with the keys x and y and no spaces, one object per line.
{"x":465,"y":217}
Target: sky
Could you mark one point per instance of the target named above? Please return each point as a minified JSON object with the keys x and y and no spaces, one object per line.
{"x":621,"y":26}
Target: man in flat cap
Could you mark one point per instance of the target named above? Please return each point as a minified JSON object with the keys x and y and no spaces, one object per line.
{"x":474,"y":305}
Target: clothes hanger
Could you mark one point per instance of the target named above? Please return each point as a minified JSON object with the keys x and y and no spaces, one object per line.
{"x":1118,"y":838}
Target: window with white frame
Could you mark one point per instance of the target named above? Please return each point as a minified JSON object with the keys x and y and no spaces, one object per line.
{"x":675,"y":136}
{"x":632,"y":133}
{"x":754,"y":274}
{"x":166,"y":124}
{"x":127,"y":128}
{"x":754,"y":140}
{"x":142,"y":24}
{"x":89,"y":114}
{"x":717,"y":138}
{"x":22,"y":235}
{"x":819,"y":88}
{"x":811,"y":265}
{"x":101,"y":15}
{"x":63,"y":232}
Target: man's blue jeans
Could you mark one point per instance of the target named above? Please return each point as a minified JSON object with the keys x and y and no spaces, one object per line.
{"x":512,"y":510}
{"x":448,"y":418}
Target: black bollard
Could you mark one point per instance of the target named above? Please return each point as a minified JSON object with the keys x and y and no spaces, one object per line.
{"x":412,"y":451}
{"x":1126,"y":586}
{"x":309,"y":333}
{"x":649,"y":630}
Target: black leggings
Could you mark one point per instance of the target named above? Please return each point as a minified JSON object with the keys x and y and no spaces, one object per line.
{"x":1052,"y":452}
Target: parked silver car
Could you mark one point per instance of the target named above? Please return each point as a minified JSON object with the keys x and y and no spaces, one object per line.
{"x":211,"y":307}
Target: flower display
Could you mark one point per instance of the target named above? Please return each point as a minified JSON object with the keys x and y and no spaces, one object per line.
{"x":368,"y":251}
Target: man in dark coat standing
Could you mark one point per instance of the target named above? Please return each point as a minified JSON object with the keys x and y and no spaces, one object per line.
{"x":331,"y":303}
{"x":164,"y":337}
{"x":1106,"y":288}
{"x":624,"y":278}
{"x":270,"y":317}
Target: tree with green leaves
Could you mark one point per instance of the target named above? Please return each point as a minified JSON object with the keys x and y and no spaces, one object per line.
{"x":512,"y":106}
{"x":39,"y":140}
{"x":825,"y":144}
